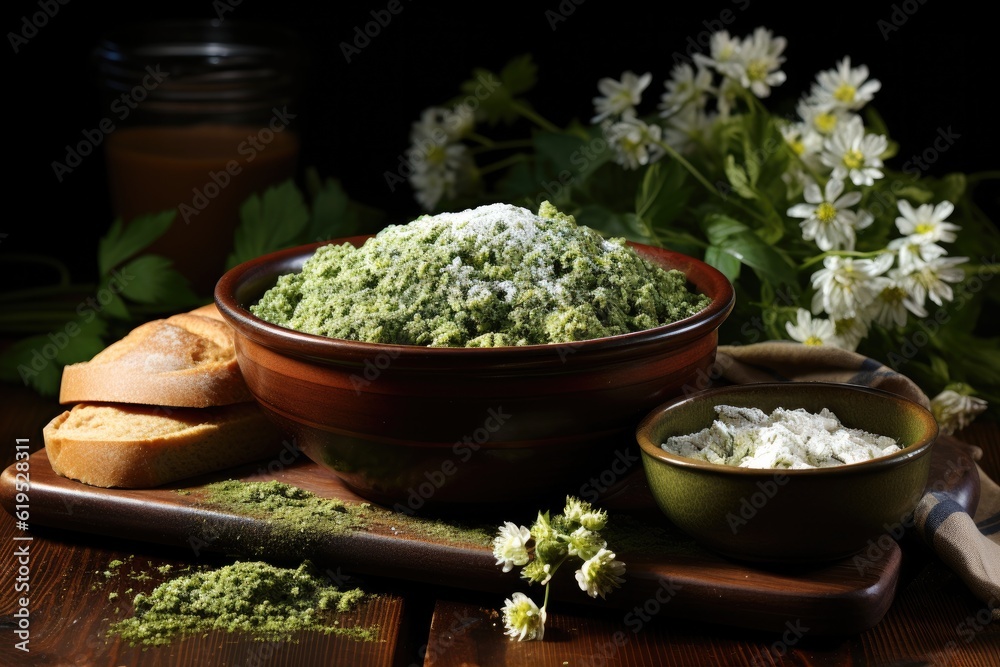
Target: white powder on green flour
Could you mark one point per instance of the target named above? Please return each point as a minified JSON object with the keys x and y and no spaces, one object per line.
{"x":750,"y":438}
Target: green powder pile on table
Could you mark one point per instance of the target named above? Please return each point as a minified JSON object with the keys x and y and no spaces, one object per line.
{"x":267,"y":602}
{"x":492,"y":276}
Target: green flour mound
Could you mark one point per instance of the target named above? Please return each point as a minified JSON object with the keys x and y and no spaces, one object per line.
{"x":267,"y":602}
{"x":492,"y":276}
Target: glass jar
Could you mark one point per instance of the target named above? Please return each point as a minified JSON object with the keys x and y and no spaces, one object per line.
{"x":204,"y":115}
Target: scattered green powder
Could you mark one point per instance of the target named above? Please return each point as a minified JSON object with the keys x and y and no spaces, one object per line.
{"x":268,"y":603}
{"x":492,"y":276}
{"x":300,"y":515}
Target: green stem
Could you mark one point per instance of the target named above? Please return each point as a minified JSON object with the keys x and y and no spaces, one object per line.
{"x":981,"y":268}
{"x":526,"y":112}
{"x":502,"y":145}
{"x":503,"y":164}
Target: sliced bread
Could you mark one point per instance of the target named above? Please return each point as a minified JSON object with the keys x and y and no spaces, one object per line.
{"x":186,"y":360}
{"x":140,"y":446}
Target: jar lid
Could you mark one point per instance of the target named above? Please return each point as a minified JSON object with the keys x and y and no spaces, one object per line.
{"x":192,"y":65}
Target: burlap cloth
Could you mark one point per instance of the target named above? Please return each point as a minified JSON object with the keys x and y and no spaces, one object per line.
{"x":969,"y":545}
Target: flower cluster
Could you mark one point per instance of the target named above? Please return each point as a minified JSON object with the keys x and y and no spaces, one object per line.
{"x":542,"y":549}
{"x":825,"y":242}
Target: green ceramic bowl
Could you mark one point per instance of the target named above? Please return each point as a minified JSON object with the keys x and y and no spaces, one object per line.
{"x":790,"y":516}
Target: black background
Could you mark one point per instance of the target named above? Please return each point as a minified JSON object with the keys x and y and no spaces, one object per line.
{"x":937,"y":63}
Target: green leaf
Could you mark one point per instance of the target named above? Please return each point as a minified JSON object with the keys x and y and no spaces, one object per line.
{"x":753,"y":251}
{"x":520,"y":74}
{"x":123,"y":241}
{"x":270,"y":222}
{"x":495,"y":94}
{"x":27,"y":362}
{"x":151,"y":279}
{"x":332,"y":215}
{"x":725,"y":262}
{"x":737,"y":177}
{"x":664,"y":194}
{"x":719,"y":227}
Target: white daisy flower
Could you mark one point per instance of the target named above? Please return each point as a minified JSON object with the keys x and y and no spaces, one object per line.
{"x":827,"y":218}
{"x":583,"y":513}
{"x":432,"y":186}
{"x":584,"y":543}
{"x":844,"y":87}
{"x":689,"y":129}
{"x":892,"y":303}
{"x":852,"y":152}
{"x":686,"y":86}
{"x":954,"y":408}
{"x":635,"y":143}
{"x":822,"y":121}
{"x":600,"y":574}
{"x":810,"y":330}
{"x":619,"y":97}
{"x":522,"y":618}
{"x":760,"y":56}
{"x":926,"y":223}
{"x":932,"y":280}
{"x":804,"y":141}
{"x":913,"y":251}
{"x":844,"y":286}
{"x":849,"y":332}
{"x":510,"y":545}
{"x":724,"y":55}
{"x":440,"y":125}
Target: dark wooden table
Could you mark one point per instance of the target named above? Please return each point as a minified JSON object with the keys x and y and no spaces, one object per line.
{"x":933,"y":620}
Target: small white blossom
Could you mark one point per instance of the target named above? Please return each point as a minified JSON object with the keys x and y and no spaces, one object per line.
{"x":724,"y":55}
{"x":912,"y":253}
{"x":686,"y":86}
{"x":854,"y":153}
{"x":954,"y":408}
{"x":845,"y":286}
{"x":844,"y":87}
{"x":522,"y":618}
{"x":822,"y":121}
{"x":619,"y":97}
{"x":892,"y":303}
{"x":689,"y":130}
{"x":827,"y":217}
{"x":761,"y":59}
{"x":932,"y":280}
{"x":635,"y":142}
{"x":510,"y":545}
{"x":810,"y":330}
{"x":926,"y":223}
{"x":849,"y":332}
{"x":600,"y":574}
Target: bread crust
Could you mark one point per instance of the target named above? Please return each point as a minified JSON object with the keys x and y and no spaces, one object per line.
{"x":93,"y":442}
{"x":186,"y":360}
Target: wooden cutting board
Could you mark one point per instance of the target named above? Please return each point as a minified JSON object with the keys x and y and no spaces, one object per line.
{"x":668,"y":573}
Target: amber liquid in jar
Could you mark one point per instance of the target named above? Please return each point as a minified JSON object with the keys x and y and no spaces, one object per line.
{"x":206,"y":172}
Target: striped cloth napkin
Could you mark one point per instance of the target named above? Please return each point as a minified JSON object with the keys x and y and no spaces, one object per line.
{"x":969,"y":545}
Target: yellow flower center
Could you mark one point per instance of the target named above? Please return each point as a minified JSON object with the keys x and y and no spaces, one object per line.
{"x":892,"y":294}
{"x":757,"y":70}
{"x":436,"y":155}
{"x":854,"y":159}
{"x":923,"y":228}
{"x":814,"y":341}
{"x":843,"y":326}
{"x":826,"y":212}
{"x":825,"y":122}
{"x":798,"y":146}
{"x":845,"y":92}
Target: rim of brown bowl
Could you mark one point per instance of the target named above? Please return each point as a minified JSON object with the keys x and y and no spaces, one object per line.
{"x":655,"y":451}
{"x":706,"y":278}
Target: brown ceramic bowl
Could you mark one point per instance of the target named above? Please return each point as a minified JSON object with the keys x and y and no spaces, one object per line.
{"x":790,"y":516}
{"x":416,"y":427}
